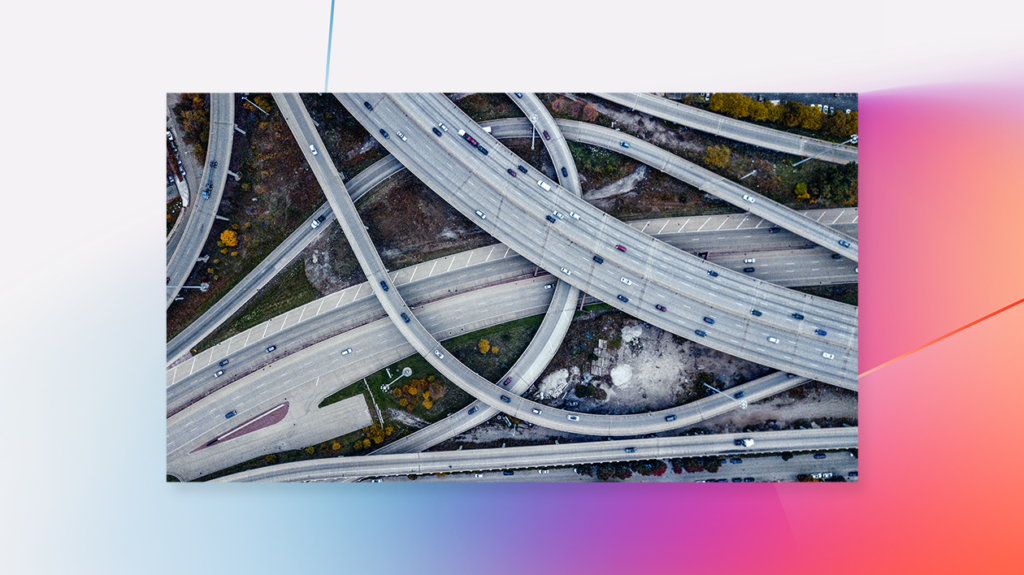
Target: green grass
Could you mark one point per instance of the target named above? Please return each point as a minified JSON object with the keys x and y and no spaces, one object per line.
{"x":845,"y":293}
{"x":288,"y":290}
{"x":483,"y":107}
{"x":510,"y":338}
{"x":173,"y":211}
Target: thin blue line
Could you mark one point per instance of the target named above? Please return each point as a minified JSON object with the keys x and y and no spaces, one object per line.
{"x":330,"y":36}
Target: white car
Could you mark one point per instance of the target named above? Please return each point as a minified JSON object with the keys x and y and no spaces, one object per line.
{"x":443,"y":127}
{"x":312,"y":148}
{"x":559,"y":216}
{"x":574,"y":418}
{"x":402,"y":136}
{"x":537,"y":411}
{"x":566,"y":272}
{"x":748,"y":261}
{"x":543,"y":471}
{"x":827,"y":355}
{"x":748,"y":198}
{"x":347,"y":351}
{"x":773,"y":340}
{"x":549,"y":286}
{"x":481,"y":214}
{"x":626,"y":281}
{"x":478,"y":475}
{"x":574,"y":215}
{"x":438,"y":353}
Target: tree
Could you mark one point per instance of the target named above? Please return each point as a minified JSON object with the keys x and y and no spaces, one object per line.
{"x":801,"y":191}
{"x":229,"y":238}
{"x":584,"y":390}
{"x":733,"y":105}
{"x":716,"y":156}
{"x":484,"y":346}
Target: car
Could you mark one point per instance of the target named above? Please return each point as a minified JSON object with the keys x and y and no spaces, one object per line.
{"x":748,"y":480}
{"x":312,"y":148}
{"x":549,"y":218}
{"x":713,"y":273}
{"x":816,"y":476}
{"x":773,"y":340}
{"x":620,"y":248}
{"x":572,"y":403}
{"x":511,"y":172}
{"x":566,"y":272}
{"x":384,"y":285}
{"x":443,"y":127}
{"x":790,"y":375}
{"x":755,"y":312}
{"x":549,"y":286}
{"x":405,"y":317}
{"x":737,"y":480}
{"x":507,"y":381}
{"x":402,"y":136}
{"x":478,"y":475}
{"x":519,"y":94}
{"x":797,"y":316}
{"x":774,"y":230}
{"x":709,"y":320}
{"x":482,"y":149}
{"x":547,"y":136}
{"x":821,"y":332}
{"x":748,"y":270}
{"x":537,"y":411}
{"x":836,"y":256}
{"x":749,"y":261}
{"x":574,"y":215}
{"x":624,"y":144}
{"x":368,"y":106}
{"x":472,"y":410}
{"x":508,"y":472}
{"x":219,"y":373}
{"x":623,"y":298}
{"x":438,"y":353}
{"x":376,"y":480}
{"x":558,"y":215}
{"x":543,"y":471}
{"x":385,"y":134}
{"x":735,"y":461}
{"x":700,"y":333}
{"x":739,"y":394}
{"x":223,"y":362}
{"x":748,"y":198}
{"x":481,"y":214}
{"x":522,"y":169}
{"x":827,"y":355}
{"x":506,"y":399}
{"x":852,"y":474}
{"x":213,"y":164}
{"x":573,"y":417}
{"x":659,"y":307}
{"x":819,"y":456}
{"x":565,"y":172}
{"x":625,"y":281}
{"x":630,"y":450}
{"x":844,"y":243}
{"x":230,"y":414}
{"x":436,"y":132}
{"x":670,"y":418}
{"x":347,"y":351}
{"x":271,"y":348}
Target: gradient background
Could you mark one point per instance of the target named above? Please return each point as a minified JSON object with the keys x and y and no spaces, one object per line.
{"x":942,"y":141}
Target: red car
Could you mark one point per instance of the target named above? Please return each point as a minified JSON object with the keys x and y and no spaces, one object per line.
{"x":546,"y":135}
{"x":511,"y":172}
{"x":620,"y":248}
{"x":507,"y":381}
{"x":659,"y":307}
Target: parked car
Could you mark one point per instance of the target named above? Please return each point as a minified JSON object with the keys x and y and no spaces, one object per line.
{"x":271,"y":348}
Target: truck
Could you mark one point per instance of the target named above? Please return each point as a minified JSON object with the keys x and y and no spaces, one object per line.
{"x":543,"y":185}
{"x":468,"y":138}
{"x":745,"y":442}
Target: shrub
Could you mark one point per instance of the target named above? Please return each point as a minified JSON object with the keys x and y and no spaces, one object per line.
{"x":484,"y":346}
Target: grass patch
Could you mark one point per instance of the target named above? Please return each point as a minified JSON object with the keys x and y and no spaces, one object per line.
{"x":483,"y":107}
{"x":288,"y":290}
{"x":506,"y":343}
{"x":845,"y":293}
{"x":173,"y":211}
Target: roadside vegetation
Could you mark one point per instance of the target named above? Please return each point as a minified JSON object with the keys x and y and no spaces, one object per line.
{"x":492,"y":351}
{"x":350,"y":146}
{"x":483,"y":107}
{"x":173,"y":211}
{"x":844,"y":293}
{"x":192,"y":113}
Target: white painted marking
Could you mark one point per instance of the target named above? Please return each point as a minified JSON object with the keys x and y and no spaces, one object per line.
{"x":414,"y":269}
{"x":450,"y":265}
{"x":489,"y":254}
{"x":821,"y":215}
{"x":662,"y":227}
{"x":839,"y":216}
{"x":321,"y":306}
{"x":645,"y":226}
{"x":432,"y":268}
{"x":704,"y":224}
{"x":720,"y":225}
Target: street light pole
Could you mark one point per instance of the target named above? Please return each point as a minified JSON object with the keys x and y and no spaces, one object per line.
{"x":533,"y":129}
{"x":852,"y":139}
{"x":743,"y":404}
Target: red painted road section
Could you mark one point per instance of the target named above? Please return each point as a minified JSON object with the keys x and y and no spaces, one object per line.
{"x":265,"y":419}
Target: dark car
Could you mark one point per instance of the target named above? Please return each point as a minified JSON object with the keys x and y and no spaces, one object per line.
{"x":797,"y":316}
{"x":368,"y":106}
{"x":405,"y":317}
{"x":739,"y":394}
{"x":620,"y":248}
{"x":709,"y":320}
{"x":383,"y":133}
{"x":565,"y":172}
{"x":735,"y":461}
{"x":384,"y":285}
{"x":507,"y":381}
{"x":522,"y":169}
{"x":700,"y":333}
{"x":790,"y":375}
{"x":549,"y":218}
{"x":271,"y":348}
{"x":820,"y":332}
{"x":748,"y":270}
{"x":836,"y":256}
{"x":844,"y":243}
{"x":755,"y":312}
{"x":506,"y":399}
{"x":659,"y":307}
{"x":472,"y":410}
{"x":482,"y":149}
{"x":508,"y":472}
{"x":623,"y":298}
{"x":213,"y":164}
{"x":713,"y":273}
{"x":572,"y":403}
{"x":773,"y":230}
{"x":819,"y":456}
{"x":598,"y":259}
{"x":436,"y":132}
{"x":223,"y":362}
{"x":737,"y":480}
{"x":630,"y":450}
{"x":471,"y":140}
{"x":230,"y":414}
{"x":748,"y":480}
{"x":852,"y":474}
{"x":670,"y":418}
{"x":546,"y":135}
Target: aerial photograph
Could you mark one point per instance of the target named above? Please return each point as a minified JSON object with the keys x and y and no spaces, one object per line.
{"x":512,"y":287}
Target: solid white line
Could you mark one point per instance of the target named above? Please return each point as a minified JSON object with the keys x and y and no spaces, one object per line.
{"x":662,"y":227}
{"x":507,"y":249}
{"x":432,"y":268}
{"x":839,"y":216}
{"x":720,"y":225}
{"x":489,"y":254}
{"x":645,"y":226}
{"x":704,"y":224}
{"x":450,"y":265}
{"x":414,"y":269}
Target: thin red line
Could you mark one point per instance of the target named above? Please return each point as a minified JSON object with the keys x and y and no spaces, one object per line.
{"x":954,"y":332}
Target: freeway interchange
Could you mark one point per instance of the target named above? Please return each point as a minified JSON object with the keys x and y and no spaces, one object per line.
{"x":643,"y":276}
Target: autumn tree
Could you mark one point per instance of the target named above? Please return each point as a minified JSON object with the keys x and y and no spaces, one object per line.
{"x":229,"y":238}
{"x":716,"y":156}
{"x":484,"y":346}
{"x":801,"y":191}
{"x":732,"y":105}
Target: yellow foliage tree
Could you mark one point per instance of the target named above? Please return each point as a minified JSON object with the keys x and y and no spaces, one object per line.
{"x":484,"y":346}
{"x":229,"y":238}
{"x":403,"y":402}
{"x":494,"y":350}
{"x":801,"y":191}
{"x":335,"y":446}
{"x":427,"y":404}
{"x":716,"y":156}
{"x":414,"y":391}
{"x":388,"y":430}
